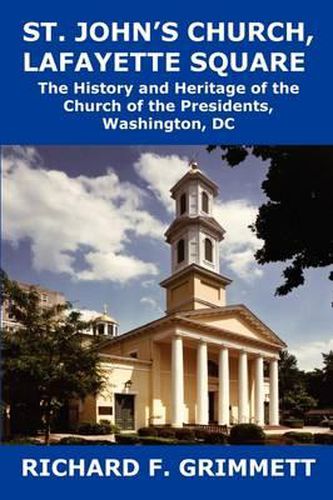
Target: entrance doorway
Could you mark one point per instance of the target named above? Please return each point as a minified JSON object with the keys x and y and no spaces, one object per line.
{"x":211,"y":407}
{"x":124,"y":411}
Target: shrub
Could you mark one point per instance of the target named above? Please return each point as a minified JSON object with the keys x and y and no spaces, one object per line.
{"x":247,"y":434}
{"x":147,"y":431}
{"x":22,"y":440}
{"x":299,"y":437}
{"x":215,"y":438}
{"x":81,"y":441}
{"x":323,"y":438}
{"x":166,"y":432}
{"x":294,"y":423}
{"x":184,"y":434}
{"x":127,"y":439}
{"x":101,"y":429}
{"x":201,"y":434}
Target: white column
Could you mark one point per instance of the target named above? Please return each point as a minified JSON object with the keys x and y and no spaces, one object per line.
{"x":273,"y":393}
{"x":224,"y":397}
{"x":177,"y":381}
{"x":243,"y":389}
{"x":202,"y":384}
{"x":259,"y":391}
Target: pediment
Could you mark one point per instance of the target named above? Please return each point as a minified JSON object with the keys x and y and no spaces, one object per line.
{"x":238,"y":320}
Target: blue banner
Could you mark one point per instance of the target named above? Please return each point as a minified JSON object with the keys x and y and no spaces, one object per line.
{"x":212,"y":73}
{"x":161,"y":471}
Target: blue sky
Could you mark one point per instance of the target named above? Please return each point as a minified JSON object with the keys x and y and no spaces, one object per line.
{"x":89,"y":220}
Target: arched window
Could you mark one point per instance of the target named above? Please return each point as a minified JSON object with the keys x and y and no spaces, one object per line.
{"x":180,"y":251}
{"x":183,"y":203}
{"x":208,"y":250}
{"x":205,"y":202}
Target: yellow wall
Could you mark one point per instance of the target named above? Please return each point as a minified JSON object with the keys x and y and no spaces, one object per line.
{"x":150,"y":374}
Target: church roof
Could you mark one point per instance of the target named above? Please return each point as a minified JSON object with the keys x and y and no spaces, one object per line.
{"x":243,"y":311}
{"x":192,"y":319}
{"x":194,"y":174}
{"x":104,"y":318}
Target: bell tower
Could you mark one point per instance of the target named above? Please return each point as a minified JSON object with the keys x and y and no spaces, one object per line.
{"x":194,"y":237}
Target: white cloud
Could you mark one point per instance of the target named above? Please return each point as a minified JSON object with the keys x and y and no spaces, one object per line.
{"x":161,"y":173}
{"x":89,"y":314}
{"x":151,"y":303}
{"x":309,"y":355}
{"x":148,"y":283}
{"x":240,"y":244}
{"x":61,"y":216}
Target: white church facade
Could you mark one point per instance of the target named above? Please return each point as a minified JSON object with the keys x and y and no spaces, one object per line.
{"x":205,"y":361}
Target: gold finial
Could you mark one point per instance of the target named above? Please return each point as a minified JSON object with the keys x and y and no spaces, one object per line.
{"x":105,"y":308}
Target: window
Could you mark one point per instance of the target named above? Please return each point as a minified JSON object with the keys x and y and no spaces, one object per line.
{"x":208,"y":250}
{"x":110,"y":330}
{"x":182,"y":203}
{"x":180,"y":251}
{"x":205,"y":202}
{"x":44,"y":298}
{"x":133,"y":354}
{"x":100,"y":329}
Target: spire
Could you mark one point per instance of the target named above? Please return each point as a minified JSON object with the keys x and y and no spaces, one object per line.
{"x":194,"y":237}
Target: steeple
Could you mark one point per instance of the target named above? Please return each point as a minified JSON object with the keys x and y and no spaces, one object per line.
{"x":194,"y":237}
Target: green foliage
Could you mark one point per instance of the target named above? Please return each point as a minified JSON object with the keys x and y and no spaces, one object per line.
{"x":298,"y":401}
{"x":100,"y":429}
{"x":215,"y":438}
{"x":22,"y":441}
{"x":300,"y":437}
{"x":184,"y":434}
{"x":166,"y":432}
{"x":323,"y":438}
{"x":71,"y":440}
{"x":127,"y":439}
{"x":147,"y":431}
{"x":45,"y":361}
{"x":246,"y":434}
{"x":291,"y":223}
{"x":295,"y":400}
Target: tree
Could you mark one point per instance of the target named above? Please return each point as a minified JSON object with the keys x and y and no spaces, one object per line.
{"x":45,"y":359}
{"x":327,"y":387}
{"x":298,"y":401}
{"x":294,"y":397}
{"x":294,"y":223}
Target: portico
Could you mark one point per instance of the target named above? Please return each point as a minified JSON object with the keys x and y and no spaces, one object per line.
{"x":244,"y":360}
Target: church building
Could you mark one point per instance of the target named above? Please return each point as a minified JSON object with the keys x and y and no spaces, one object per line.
{"x":205,"y":361}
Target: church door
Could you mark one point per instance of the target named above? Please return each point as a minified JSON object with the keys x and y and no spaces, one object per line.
{"x":124,"y":413}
